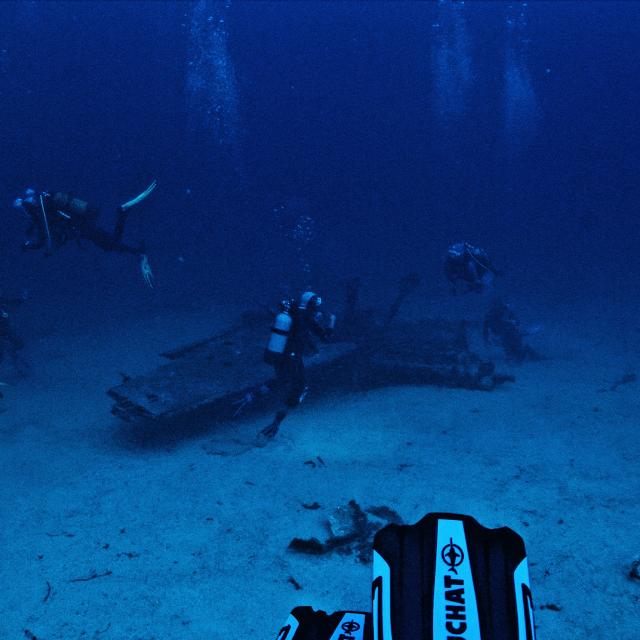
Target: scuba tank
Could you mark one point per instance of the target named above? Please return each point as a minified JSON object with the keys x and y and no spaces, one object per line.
{"x":280,"y":331}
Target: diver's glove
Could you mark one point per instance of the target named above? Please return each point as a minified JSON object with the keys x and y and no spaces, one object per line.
{"x":145,"y":269}
{"x":134,"y":201}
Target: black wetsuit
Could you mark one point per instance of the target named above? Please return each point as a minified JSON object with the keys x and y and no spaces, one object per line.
{"x":10,"y":342}
{"x":502,"y":323}
{"x":467,"y":265}
{"x":68,"y":218}
{"x":289,"y":366}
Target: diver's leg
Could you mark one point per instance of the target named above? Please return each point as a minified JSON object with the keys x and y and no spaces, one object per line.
{"x":13,"y":346}
{"x":121,"y":220}
{"x":20,"y":365}
{"x":298,"y":386}
{"x":512,"y":343}
{"x":280,"y":381}
{"x":290,"y":375}
{"x":109,"y":241}
{"x":112,"y":242}
{"x":97,"y":236}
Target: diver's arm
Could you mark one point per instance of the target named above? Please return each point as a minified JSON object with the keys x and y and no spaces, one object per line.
{"x":35,"y":239}
{"x":324,"y":333}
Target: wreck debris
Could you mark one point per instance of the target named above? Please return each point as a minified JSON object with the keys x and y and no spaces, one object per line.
{"x":627,"y":378}
{"x":386,"y":513}
{"x":351,"y":531}
{"x":49,"y":591}
{"x":296,"y":585}
{"x":311,"y":546}
{"x":551,"y":607}
{"x":426,"y":352}
{"x":634,"y":570}
{"x":369,"y":350}
{"x":212,"y":374}
{"x":92,"y":576}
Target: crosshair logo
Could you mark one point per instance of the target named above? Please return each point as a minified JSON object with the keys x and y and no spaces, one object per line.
{"x":350,"y":627}
{"x":452,"y":555}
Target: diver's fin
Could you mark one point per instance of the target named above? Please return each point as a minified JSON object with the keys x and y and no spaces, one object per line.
{"x":449,"y":577}
{"x":304,"y":623}
{"x":139,"y":198}
{"x":271,"y":430}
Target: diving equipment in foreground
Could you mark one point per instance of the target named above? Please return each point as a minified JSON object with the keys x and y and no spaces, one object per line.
{"x":444,"y":578}
{"x":304,"y":623}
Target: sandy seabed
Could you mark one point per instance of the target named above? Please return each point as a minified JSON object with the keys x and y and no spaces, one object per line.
{"x":182,"y":544}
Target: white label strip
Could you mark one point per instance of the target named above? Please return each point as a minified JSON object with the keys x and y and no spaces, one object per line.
{"x":455,"y":610}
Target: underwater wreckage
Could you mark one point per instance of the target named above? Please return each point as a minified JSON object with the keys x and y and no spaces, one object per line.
{"x":214,"y":374}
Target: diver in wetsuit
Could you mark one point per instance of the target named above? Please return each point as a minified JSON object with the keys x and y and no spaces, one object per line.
{"x":10,"y":342}
{"x":292,"y":337}
{"x":55,"y":218}
{"x":501,"y":324}
{"x":468,"y":267}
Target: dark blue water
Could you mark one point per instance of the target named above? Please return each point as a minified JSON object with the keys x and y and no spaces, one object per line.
{"x":302,"y":144}
{"x":383,"y":130}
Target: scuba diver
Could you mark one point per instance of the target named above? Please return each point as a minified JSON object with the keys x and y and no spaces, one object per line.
{"x":55,"y":218}
{"x":10,"y":343}
{"x":292,"y":337}
{"x":468,"y":267}
{"x":501,"y":324}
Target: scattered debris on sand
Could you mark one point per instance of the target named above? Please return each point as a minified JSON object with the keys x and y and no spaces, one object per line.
{"x":351,"y":531}
{"x":634,"y":570}
{"x":92,"y":576}
{"x":296,"y":585}
{"x":627,"y":378}
{"x":550,"y":607}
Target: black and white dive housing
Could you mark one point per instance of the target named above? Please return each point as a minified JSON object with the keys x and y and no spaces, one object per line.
{"x":444,"y":578}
